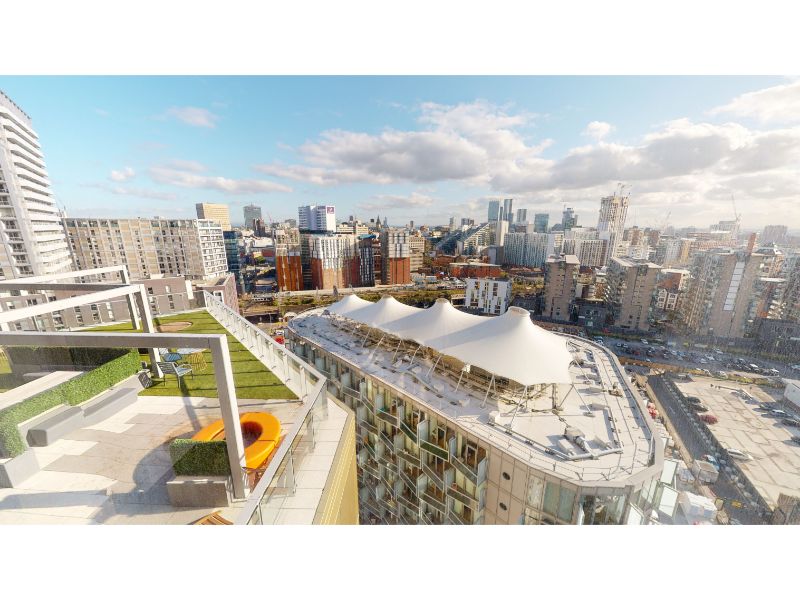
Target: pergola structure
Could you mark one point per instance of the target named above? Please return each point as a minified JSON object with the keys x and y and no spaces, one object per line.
{"x":135,"y":294}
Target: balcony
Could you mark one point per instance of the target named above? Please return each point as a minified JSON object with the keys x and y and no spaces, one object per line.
{"x":434,"y":449}
{"x":388,"y":442}
{"x":408,"y":457}
{"x":434,"y":477}
{"x":366,"y":425}
{"x":431,"y":519}
{"x":460,"y":494}
{"x":388,"y":416}
{"x":457,"y":519}
{"x":407,"y":429}
{"x":465,"y":469}
{"x":408,"y":502}
{"x":410,"y":479}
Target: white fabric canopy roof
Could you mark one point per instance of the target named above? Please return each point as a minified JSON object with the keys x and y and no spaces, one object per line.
{"x":380,"y":313}
{"x":347,"y":305}
{"x":437,"y":322}
{"x":510,"y":346}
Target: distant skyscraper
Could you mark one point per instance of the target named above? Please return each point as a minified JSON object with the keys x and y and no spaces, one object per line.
{"x":215,"y":212}
{"x":494,"y":210}
{"x":522,"y":215}
{"x":774,"y":234}
{"x":569,"y":219}
{"x":320,"y":218}
{"x":611,"y":222}
{"x":32,"y":239}
{"x":251,"y":213}
{"x":540,"y":222}
{"x":508,"y":209}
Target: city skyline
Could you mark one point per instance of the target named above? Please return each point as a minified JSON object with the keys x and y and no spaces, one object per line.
{"x":421,"y":149}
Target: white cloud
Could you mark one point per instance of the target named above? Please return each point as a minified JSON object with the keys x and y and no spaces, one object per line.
{"x":191,"y":179}
{"x":122,"y":175}
{"x":778,"y":104}
{"x":385,"y":202}
{"x":598,"y":129}
{"x":120,"y":190}
{"x":191,"y":115}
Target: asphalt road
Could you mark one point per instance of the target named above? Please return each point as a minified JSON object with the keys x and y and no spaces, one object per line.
{"x":696,"y":443}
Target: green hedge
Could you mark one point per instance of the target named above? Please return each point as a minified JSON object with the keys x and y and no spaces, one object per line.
{"x":75,"y":391}
{"x":197,"y":458}
{"x":56,"y":355}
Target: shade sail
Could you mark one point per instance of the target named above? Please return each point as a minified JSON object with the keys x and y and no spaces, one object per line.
{"x":348,"y":304}
{"x":382,"y":312}
{"x":510,"y":346}
{"x":440,"y":321}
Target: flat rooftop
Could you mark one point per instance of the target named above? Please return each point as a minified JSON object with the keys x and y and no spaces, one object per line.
{"x":775,"y":467}
{"x":618,"y":440}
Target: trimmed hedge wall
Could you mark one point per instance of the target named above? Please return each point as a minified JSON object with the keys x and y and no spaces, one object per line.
{"x":198,"y":458}
{"x":47,"y":356}
{"x":73,"y":392}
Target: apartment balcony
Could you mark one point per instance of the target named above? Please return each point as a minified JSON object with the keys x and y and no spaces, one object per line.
{"x":435,"y":478}
{"x":460,"y":494}
{"x":465,"y":469}
{"x":370,"y":449}
{"x":457,"y":519}
{"x":388,"y":441}
{"x":409,"y":431}
{"x":437,"y":451}
{"x":429,"y":518}
{"x":367,"y":402}
{"x":410,"y":480}
{"x":408,"y":457}
{"x":367,"y":426}
{"x":408,"y":503}
{"x":388,"y":416}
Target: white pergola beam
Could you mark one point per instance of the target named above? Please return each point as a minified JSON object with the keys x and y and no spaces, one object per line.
{"x":72,"y":274}
{"x":18,"y":314}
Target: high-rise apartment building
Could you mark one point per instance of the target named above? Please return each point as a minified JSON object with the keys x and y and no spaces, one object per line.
{"x":530,"y":249}
{"x":540,"y":222}
{"x":192,"y":248}
{"x":416,"y":246}
{"x":488,"y":296}
{"x":559,"y":286}
{"x":611,"y":222}
{"x":722,"y":293}
{"x":396,"y":256}
{"x":317,"y":218}
{"x":334,"y":261}
{"x":522,"y":215}
{"x":288,"y":265}
{"x":32,"y":240}
{"x":508,"y":210}
{"x":215,"y":212}
{"x":494,"y":210}
{"x":629,"y":292}
{"x":252,"y":212}
{"x":568,"y":219}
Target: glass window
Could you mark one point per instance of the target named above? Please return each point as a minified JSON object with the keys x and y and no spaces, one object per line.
{"x":566,"y":498}
{"x":535,"y":492}
{"x":550,"y":498}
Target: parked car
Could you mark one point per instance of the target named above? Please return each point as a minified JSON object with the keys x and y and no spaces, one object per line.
{"x":644,"y":341}
{"x":791,"y":422}
{"x":739,"y":454}
{"x":710,"y":459}
{"x":722,"y":374}
{"x":693,"y":400}
{"x":701,"y":408}
{"x":796,"y":439}
{"x":778,"y":413}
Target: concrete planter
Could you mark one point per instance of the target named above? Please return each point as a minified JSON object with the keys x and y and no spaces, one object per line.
{"x":205,"y":492}
{"x":14,"y":471}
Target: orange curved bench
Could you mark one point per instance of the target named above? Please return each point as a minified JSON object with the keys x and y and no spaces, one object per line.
{"x":264,"y":426}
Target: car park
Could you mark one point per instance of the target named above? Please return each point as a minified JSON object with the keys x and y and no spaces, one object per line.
{"x":739,"y":454}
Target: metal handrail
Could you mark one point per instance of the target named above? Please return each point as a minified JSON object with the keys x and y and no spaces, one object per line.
{"x":223,"y":313}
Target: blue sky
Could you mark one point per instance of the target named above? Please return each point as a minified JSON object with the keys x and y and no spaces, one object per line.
{"x":421,"y":148}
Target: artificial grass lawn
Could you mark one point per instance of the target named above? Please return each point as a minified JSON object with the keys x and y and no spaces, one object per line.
{"x":8,"y":380}
{"x":253,"y":380}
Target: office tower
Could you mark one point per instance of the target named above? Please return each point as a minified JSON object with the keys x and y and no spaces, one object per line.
{"x":32,"y":240}
{"x":494,"y":210}
{"x":568,"y":219}
{"x":487,"y":296}
{"x":193,"y":248}
{"x":774,"y":234}
{"x":317,"y":218}
{"x":233,"y":253}
{"x":629,"y":292}
{"x":251,"y":214}
{"x":452,"y":224}
{"x":559,"y":286}
{"x":611,"y":222}
{"x":718,"y":301}
{"x":215,"y":212}
{"x":366,"y":259}
{"x":508,"y":210}
{"x":540,"y":222}
{"x":500,"y":230}
{"x":396,"y":255}
{"x":467,"y":222}
{"x":522,"y":215}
